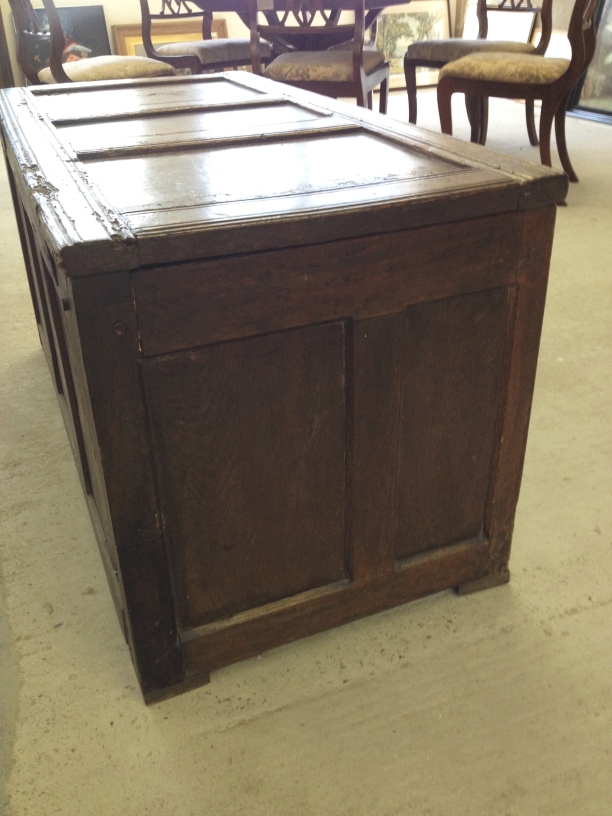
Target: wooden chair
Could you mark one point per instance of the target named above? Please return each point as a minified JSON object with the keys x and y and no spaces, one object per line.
{"x":321,"y":55}
{"x":207,"y":54}
{"x":524,"y":76}
{"x":29,"y":33}
{"x":437,"y":53}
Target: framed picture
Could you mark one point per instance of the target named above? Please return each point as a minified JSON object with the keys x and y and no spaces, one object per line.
{"x":399,"y":26}
{"x":128,"y":38}
{"x":593,"y":95}
{"x":510,"y":24}
{"x":84,"y":30}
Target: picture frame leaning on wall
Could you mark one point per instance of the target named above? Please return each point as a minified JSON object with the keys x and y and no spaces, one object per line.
{"x":127,"y":39}
{"x":399,"y":26}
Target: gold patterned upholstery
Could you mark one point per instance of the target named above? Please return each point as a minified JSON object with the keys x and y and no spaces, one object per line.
{"x":455,"y":48}
{"x":109,"y":67}
{"x":320,"y":66}
{"x":218,"y":50}
{"x":500,"y":67}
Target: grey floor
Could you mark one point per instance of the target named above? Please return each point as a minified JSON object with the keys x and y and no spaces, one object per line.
{"x":496,"y":704}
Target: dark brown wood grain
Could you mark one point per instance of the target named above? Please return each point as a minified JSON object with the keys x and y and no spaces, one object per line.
{"x":109,"y":346}
{"x":296,"y":383}
{"x":379,"y":346}
{"x":362,"y":278}
{"x":536,"y":248}
{"x":68,"y":397}
{"x":452,"y":366}
{"x":249,"y":442}
{"x":212,"y":647}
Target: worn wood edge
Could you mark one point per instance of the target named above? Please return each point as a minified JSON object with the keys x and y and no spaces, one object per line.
{"x":207,"y":650}
{"x":342,"y":223}
{"x":533,"y":270}
{"x":39,"y":182}
{"x":488,"y":582}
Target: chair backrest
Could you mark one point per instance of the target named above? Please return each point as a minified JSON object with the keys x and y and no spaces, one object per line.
{"x":29,"y":35}
{"x":306,"y":25}
{"x":58,"y":43}
{"x":582,"y":37}
{"x":518,"y":7}
{"x":170,"y":10}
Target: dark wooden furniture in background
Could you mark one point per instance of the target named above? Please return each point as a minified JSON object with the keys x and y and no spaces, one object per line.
{"x":294,"y":345}
{"x":521,"y":76}
{"x":437,"y":54}
{"x":320,"y":54}
{"x":6,"y":69}
{"x":206,"y":54}
{"x":29,"y":33}
{"x":592,"y":94}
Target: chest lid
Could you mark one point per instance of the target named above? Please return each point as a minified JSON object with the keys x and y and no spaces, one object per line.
{"x":127,"y":174}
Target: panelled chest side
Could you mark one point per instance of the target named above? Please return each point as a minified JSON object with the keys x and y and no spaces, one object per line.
{"x":294,"y":345}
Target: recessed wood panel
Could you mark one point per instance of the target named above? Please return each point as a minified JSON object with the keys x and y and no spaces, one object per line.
{"x":453,"y":366}
{"x":181,"y":128}
{"x":248,"y":439}
{"x":240,"y":175}
{"x":111,"y":100}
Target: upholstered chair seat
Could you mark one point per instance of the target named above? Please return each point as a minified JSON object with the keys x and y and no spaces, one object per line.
{"x":109,"y":67}
{"x":437,"y":53}
{"x":522,"y":76}
{"x":218,"y":51}
{"x":321,"y":66}
{"x":515,"y":68}
{"x":455,"y":48}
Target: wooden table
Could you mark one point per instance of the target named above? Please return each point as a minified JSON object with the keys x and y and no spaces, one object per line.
{"x":294,"y":344}
{"x":303,"y":39}
{"x":241,"y":7}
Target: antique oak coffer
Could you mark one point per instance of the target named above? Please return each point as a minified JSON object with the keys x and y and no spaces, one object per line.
{"x":294,"y":344}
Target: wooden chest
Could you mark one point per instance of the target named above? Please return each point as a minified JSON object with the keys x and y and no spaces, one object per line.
{"x":294,"y":345}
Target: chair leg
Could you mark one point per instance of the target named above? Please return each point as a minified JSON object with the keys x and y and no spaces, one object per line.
{"x":530,"y":117}
{"x":473,"y":110}
{"x":484,"y":120}
{"x":362,"y":97}
{"x":384,"y":95}
{"x":411,"y":87}
{"x":369,"y":98}
{"x":561,"y":144}
{"x":445,"y":95}
{"x":546,"y":119}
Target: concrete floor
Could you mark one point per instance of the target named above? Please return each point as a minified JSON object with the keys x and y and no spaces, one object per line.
{"x":495,"y":704}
